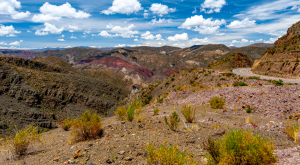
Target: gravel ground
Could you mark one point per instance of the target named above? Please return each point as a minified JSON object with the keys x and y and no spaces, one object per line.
{"x":268,"y":100}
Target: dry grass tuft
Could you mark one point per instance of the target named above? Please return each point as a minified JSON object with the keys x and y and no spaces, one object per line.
{"x":189,"y":113}
{"x":19,"y":144}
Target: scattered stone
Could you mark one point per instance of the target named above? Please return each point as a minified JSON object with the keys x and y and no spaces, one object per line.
{"x":109,"y":161}
{"x":122,"y":152}
{"x":56,"y":159}
{"x":129,"y":158}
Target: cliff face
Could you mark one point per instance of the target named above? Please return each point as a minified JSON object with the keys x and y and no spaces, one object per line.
{"x":282,"y":60}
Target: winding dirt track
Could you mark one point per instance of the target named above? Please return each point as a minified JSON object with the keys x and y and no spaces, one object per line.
{"x":246,"y":72}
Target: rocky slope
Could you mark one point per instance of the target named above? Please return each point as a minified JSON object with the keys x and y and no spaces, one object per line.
{"x":40,"y":90}
{"x":283,"y":58}
{"x":248,"y":53}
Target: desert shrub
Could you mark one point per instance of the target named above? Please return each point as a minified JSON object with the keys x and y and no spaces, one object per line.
{"x":173,"y":85}
{"x":178,"y":88}
{"x":87,"y":127}
{"x":121,"y":112}
{"x":240,"y":147}
{"x":219,"y":84}
{"x":137,"y":103}
{"x":292,"y":131}
{"x":239,"y":83}
{"x":222,"y":79}
{"x":130,"y":113}
{"x":174,"y":120}
{"x":192,"y":81}
{"x":249,"y":109}
{"x":156,"y":110}
{"x":172,"y":79}
{"x":205,"y":74}
{"x":193,"y":90}
{"x":217,"y":103}
{"x":277,"y":83}
{"x":67,"y":124}
{"x":254,"y":77}
{"x":168,"y":155}
{"x":24,"y":138}
{"x":167,"y":83}
{"x":297,"y":60}
{"x":189,"y":113}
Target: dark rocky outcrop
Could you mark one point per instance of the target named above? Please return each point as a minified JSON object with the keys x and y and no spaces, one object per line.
{"x":241,"y":61}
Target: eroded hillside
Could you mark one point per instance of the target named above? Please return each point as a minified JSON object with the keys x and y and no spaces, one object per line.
{"x":282,"y":60}
{"x":42,"y":93}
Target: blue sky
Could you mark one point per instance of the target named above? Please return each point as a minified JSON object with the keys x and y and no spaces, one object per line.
{"x":26,"y":24}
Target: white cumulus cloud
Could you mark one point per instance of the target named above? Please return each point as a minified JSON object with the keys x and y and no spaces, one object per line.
{"x":241,"y":24}
{"x":210,"y":6}
{"x":243,"y":41}
{"x":160,"y":9}
{"x":8,"y":7}
{"x":53,"y":13}
{"x":163,"y":20}
{"x":120,"y":45}
{"x":123,"y":7}
{"x":271,"y":40}
{"x":49,"y":28}
{"x":202,"y":25}
{"x":105,"y":34}
{"x":125,"y":32}
{"x":61,"y":39}
{"x":15,"y":43}
{"x":179,"y":37}
{"x":72,"y":37}
{"x":73,"y":28}
{"x":149,"y":36}
{"x":7,"y":30}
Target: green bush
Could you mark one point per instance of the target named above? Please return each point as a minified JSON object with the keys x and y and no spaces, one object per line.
{"x":20,"y":143}
{"x":167,"y":83}
{"x":168,"y":155}
{"x":120,"y":112}
{"x":189,"y":113}
{"x":239,"y":83}
{"x":277,"y":83}
{"x":254,"y":77}
{"x":174,"y":120}
{"x":249,"y":109}
{"x":222,"y":79}
{"x":219,"y":84}
{"x":87,"y":127}
{"x":240,"y":147}
{"x":130,"y":113}
{"x":217,"y":103}
{"x":67,"y":124}
{"x":156,"y":110}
